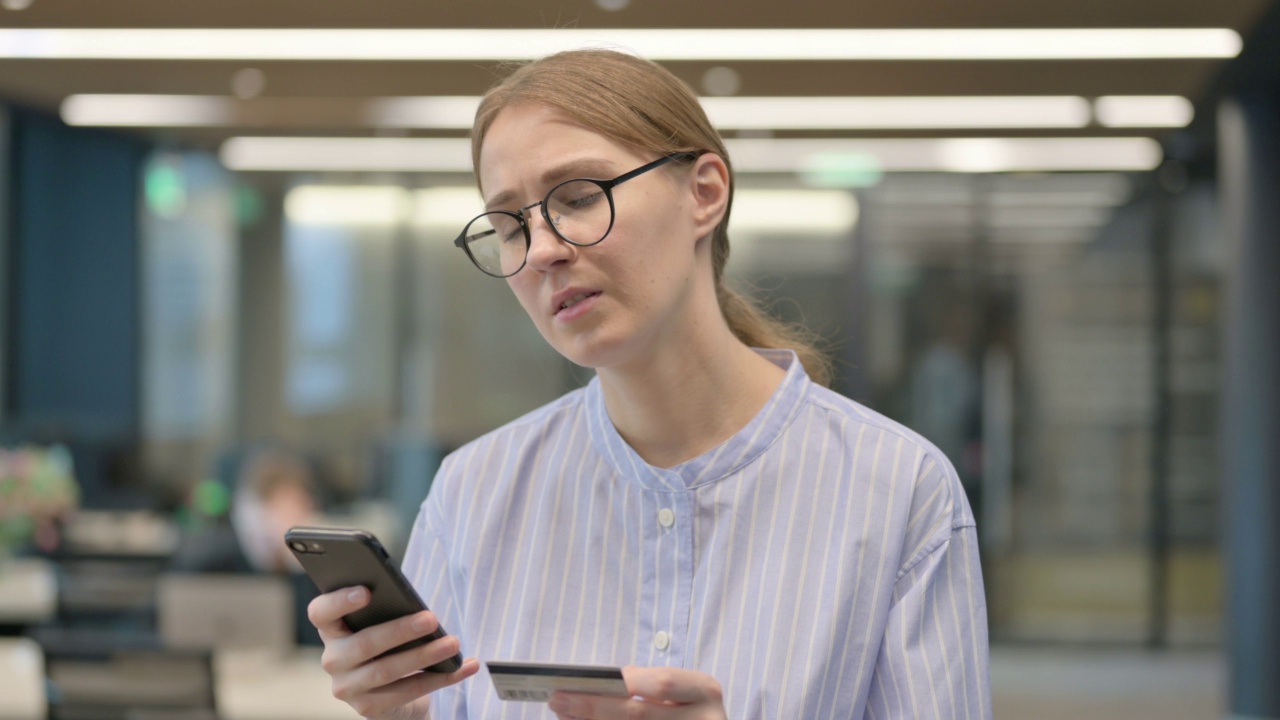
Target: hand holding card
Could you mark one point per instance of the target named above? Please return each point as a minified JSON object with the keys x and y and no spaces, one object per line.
{"x":688,"y":693}
{"x":536,"y":682}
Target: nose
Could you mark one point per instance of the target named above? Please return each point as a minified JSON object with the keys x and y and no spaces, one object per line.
{"x":546,"y":248}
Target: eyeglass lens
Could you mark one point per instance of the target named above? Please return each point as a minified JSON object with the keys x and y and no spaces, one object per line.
{"x":580,"y":213}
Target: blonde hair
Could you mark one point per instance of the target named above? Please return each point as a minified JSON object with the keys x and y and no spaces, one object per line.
{"x":641,"y":105}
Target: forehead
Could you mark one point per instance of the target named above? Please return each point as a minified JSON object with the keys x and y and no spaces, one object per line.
{"x":526,"y":143}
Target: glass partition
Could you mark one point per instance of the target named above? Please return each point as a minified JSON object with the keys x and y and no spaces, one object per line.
{"x":188,"y":249}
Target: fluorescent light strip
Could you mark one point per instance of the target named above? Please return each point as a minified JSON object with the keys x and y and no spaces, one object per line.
{"x":797,"y":113}
{"x":1144,"y":111}
{"x":793,"y":211}
{"x":448,"y":208}
{"x":377,"y":205}
{"x":673,"y":44}
{"x":735,"y":113}
{"x":148,"y":110}
{"x":330,"y":153}
{"x":830,"y":113}
{"x":970,"y":155}
{"x":749,"y":155}
{"x":442,"y":112}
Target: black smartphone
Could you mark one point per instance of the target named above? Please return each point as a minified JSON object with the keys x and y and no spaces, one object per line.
{"x":335,"y":558}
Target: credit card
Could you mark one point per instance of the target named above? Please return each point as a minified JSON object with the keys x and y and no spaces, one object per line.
{"x":535,"y":682}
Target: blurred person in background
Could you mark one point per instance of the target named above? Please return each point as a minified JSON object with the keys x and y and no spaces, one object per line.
{"x":274,"y":490}
{"x":945,"y":388}
{"x":705,"y":513}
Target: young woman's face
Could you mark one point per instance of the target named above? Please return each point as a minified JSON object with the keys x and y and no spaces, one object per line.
{"x":610,"y":304}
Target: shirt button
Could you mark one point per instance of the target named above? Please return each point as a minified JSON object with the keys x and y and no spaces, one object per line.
{"x":666,"y":518}
{"x":661,"y":640}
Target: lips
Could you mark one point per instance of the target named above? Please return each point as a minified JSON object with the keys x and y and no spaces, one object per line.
{"x":575,"y":300}
{"x":569,"y":297}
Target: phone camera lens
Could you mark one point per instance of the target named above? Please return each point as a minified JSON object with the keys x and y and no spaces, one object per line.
{"x":299,"y":546}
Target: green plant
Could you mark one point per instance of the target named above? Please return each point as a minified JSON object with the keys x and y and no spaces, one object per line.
{"x":37,"y":489}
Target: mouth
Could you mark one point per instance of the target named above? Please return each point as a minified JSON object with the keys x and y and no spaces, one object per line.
{"x":574,"y":300}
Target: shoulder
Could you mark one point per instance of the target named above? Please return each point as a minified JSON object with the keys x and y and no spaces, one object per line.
{"x":857,"y":420}
{"x":904,"y":462}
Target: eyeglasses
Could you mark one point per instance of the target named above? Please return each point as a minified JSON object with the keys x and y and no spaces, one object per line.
{"x":580,"y":211}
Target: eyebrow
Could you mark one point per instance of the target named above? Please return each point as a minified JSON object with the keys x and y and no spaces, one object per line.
{"x":591,"y":168}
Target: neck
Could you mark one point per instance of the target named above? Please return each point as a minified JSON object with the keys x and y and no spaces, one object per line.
{"x":690,"y":396}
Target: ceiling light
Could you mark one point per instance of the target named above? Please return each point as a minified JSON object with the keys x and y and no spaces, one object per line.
{"x":721,"y":80}
{"x":147,"y":110}
{"x":1144,"y":111}
{"x":950,"y":154}
{"x":346,"y":205}
{"x":449,"y":207}
{"x":330,"y":153}
{"x":728,"y":113}
{"x":438,"y":112}
{"x":793,"y":211}
{"x":248,"y":83}
{"x":749,"y":155}
{"x":656,"y":44}
{"x":830,"y":113}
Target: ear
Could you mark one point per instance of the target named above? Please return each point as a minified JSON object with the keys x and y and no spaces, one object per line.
{"x":709,"y":179}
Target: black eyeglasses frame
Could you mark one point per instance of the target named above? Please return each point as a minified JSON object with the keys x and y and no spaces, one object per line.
{"x":606,"y":186}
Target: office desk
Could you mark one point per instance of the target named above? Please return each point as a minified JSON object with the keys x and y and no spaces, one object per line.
{"x":21,"y":680}
{"x":263,"y":684}
{"x":28,"y":591}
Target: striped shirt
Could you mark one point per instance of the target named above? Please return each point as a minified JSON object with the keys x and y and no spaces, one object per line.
{"x":822,"y":563}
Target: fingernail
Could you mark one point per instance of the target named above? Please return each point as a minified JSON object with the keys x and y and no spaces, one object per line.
{"x":422,"y":623}
{"x":558,"y":704}
{"x":356,"y":595}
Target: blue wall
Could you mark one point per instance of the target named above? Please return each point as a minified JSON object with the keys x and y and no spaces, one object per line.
{"x":74,"y":287}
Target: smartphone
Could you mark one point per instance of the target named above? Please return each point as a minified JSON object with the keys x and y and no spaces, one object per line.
{"x":335,"y":558}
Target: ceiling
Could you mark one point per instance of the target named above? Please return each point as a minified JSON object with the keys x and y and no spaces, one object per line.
{"x":330,"y":86}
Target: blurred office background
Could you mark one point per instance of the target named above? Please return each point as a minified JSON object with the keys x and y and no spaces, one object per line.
{"x":1053,"y":255}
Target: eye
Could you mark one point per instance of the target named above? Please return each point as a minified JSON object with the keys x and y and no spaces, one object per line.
{"x":585,"y":200}
{"x":575,"y":195}
{"x":478,"y":236}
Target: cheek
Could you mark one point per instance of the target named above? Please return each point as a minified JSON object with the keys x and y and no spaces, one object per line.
{"x":526,"y":294}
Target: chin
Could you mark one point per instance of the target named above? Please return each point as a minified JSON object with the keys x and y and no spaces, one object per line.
{"x":591,"y":350}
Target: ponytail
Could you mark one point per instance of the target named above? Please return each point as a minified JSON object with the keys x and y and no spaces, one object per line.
{"x":757,"y":329}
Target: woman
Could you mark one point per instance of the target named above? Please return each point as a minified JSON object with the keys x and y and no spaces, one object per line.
{"x":748,"y":543}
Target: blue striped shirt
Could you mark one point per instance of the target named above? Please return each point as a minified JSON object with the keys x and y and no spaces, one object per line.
{"x":821,"y":563}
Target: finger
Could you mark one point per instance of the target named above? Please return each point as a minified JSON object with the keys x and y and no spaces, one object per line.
{"x":672,"y":685}
{"x":387,"y":670}
{"x":596,"y":707}
{"x":326,"y":611}
{"x":344,"y":654}
{"x":381,"y":701}
{"x":373,"y":641}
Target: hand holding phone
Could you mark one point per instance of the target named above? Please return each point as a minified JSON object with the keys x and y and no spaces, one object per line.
{"x":336,"y":558}
{"x":374,"y":625}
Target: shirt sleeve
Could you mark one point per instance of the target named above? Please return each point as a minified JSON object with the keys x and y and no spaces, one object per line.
{"x":933,"y":660}
{"x":933,"y":657}
{"x":426,"y":565}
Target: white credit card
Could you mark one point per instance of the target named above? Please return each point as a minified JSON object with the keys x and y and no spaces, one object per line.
{"x":535,"y":682}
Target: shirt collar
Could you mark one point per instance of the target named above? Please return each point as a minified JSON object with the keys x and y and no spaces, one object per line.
{"x":719,"y":462}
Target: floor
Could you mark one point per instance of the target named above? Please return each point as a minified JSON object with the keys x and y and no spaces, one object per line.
{"x":1056,"y":683}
